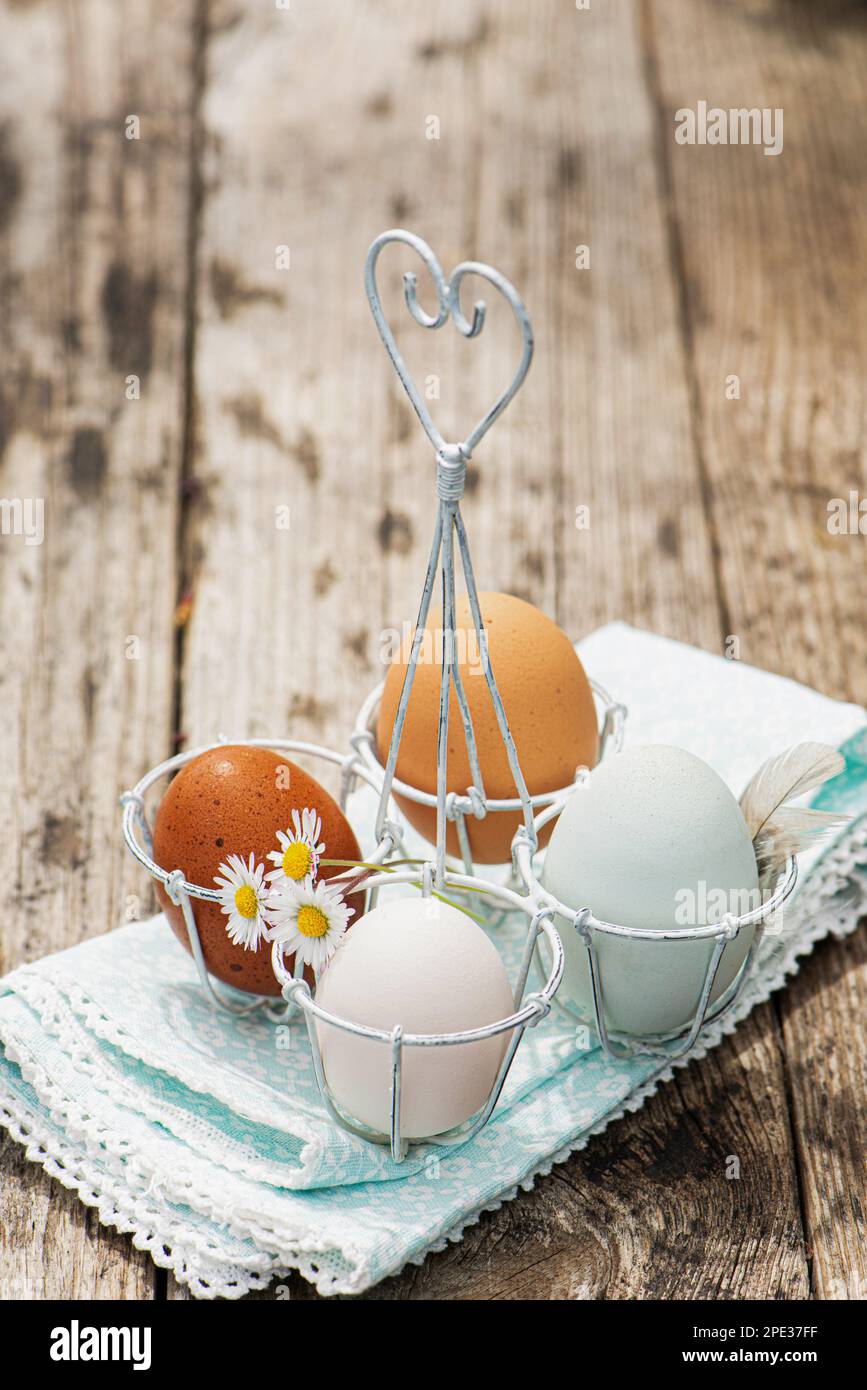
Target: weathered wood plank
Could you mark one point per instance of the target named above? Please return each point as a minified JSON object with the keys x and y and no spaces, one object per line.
{"x":93,"y":283}
{"x":297,"y":406}
{"x":823,"y":1021}
{"x":773,"y":249}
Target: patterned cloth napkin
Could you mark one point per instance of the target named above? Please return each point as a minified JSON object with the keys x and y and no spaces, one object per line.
{"x":205,"y":1137}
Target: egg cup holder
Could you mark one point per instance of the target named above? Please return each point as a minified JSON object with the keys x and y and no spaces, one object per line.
{"x":530,"y":1009}
{"x":671,"y":1046}
{"x":472,"y":802}
{"x":137,"y":834}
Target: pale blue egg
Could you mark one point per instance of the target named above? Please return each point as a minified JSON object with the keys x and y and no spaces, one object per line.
{"x":656,"y":840}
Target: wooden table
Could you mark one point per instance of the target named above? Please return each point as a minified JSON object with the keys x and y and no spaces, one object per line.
{"x":168,"y":382}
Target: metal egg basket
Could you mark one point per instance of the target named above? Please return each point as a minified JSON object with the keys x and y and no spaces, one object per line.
{"x":524,"y":894}
{"x":668,"y":1046}
{"x":530,"y":1009}
{"x":137,"y":834}
{"x":460,"y":806}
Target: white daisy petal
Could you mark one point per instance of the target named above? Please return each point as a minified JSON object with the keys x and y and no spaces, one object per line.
{"x":244,"y":900}
{"x":308,"y":920}
{"x":305,"y":830}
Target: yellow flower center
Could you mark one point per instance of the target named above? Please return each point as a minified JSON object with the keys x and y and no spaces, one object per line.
{"x":297,"y":861}
{"x":246,"y":901}
{"x":312,"y":921}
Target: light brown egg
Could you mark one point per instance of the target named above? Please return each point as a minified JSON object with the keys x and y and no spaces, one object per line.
{"x":548,"y":703}
{"x":233,"y":800}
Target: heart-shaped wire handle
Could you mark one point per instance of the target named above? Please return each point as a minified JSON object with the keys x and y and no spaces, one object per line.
{"x":451,"y":470}
{"x":448,"y":303}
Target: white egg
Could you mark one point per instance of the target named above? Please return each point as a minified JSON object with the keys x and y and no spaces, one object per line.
{"x":656,"y":840}
{"x":424,"y":964}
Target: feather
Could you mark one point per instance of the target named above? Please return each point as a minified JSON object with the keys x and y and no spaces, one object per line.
{"x":792,"y":829}
{"x":778,"y":830}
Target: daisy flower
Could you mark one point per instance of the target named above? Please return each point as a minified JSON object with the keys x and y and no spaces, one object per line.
{"x":244,"y":899}
{"x":310,"y":920}
{"x":297,"y":859}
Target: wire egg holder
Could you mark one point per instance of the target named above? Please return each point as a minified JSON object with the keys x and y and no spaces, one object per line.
{"x":675,"y":1044}
{"x":137,"y":834}
{"x":535,"y":903}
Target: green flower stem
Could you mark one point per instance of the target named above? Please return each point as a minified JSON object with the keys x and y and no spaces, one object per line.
{"x":393,"y":866}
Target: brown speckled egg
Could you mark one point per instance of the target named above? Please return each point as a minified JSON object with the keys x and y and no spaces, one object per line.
{"x":233,"y":800}
{"x":548,"y":703}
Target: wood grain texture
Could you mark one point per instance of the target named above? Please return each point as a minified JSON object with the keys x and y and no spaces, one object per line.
{"x":92,"y":279}
{"x":772,"y":251}
{"x":266,"y":396}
